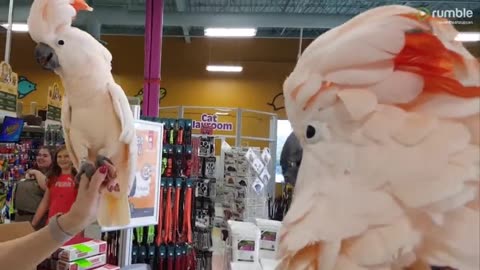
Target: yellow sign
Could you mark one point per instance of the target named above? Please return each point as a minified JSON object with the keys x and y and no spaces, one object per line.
{"x":8,"y":79}
{"x":54,"y":101}
{"x":8,"y":88}
{"x":55,"y":96}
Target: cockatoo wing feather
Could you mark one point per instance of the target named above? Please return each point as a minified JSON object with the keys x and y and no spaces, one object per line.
{"x":125,"y":116}
{"x":66,"y":121}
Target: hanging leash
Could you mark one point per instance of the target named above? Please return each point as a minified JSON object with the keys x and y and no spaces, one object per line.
{"x":187,"y":217}
{"x":170,"y":257}
{"x":162,"y":258}
{"x":178,"y":258}
{"x":159,"y":239}
{"x":168,"y":213}
{"x":176,"y":208}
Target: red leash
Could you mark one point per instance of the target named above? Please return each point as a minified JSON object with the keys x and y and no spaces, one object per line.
{"x":187,"y":217}
{"x":159,"y":238}
{"x":168,"y":213}
{"x":176,"y":209}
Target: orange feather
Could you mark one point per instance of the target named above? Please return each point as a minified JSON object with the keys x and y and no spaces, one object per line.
{"x":425,"y":54}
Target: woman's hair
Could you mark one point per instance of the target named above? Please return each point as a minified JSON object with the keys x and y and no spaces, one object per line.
{"x":51,"y":152}
{"x":55,"y":170}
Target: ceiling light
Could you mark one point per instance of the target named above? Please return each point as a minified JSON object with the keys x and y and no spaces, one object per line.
{"x":230,"y":32}
{"x":17,"y":27}
{"x":214,"y":68}
{"x":468,"y":36}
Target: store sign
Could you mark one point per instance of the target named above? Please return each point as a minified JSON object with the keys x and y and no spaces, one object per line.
{"x":8,"y":88}
{"x":54,"y":102}
{"x":211,"y":121}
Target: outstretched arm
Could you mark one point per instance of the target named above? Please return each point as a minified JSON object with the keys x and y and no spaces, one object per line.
{"x":42,"y":209}
{"x":41,"y":244}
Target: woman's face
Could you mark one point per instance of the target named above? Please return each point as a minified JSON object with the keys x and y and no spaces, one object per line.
{"x":63,"y":160}
{"x":44,"y":160}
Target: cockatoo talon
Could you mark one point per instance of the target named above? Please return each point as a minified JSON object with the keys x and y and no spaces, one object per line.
{"x":102,"y":159}
{"x":86,"y":168}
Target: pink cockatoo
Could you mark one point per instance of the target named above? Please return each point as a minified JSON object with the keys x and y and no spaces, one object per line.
{"x":387,"y":110}
{"x":96,"y":117}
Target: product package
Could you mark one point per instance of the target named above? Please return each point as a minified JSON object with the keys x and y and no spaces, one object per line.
{"x":244,"y":240}
{"x":269,"y":237}
{"x":80,"y":251}
{"x":83,"y":264}
{"x":108,"y":267}
{"x":245,"y":266}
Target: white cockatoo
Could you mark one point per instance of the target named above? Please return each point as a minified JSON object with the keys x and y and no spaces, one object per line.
{"x":387,"y":110}
{"x":96,"y":116}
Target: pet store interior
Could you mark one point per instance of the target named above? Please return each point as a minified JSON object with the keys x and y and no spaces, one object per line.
{"x":217,"y":157}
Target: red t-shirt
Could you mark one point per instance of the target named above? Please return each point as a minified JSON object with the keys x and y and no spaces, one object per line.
{"x":62,"y":196}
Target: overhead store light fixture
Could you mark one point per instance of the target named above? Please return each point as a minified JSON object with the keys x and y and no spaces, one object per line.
{"x":468,"y":36}
{"x":217,"y":68}
{"x":230,"y":32}
{"x":17,"y":27}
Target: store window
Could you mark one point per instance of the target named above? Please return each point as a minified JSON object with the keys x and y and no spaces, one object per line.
{"x":283,"y":131}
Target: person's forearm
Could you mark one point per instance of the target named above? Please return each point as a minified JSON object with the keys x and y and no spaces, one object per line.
{"x":27,"y":252}
{"x":40,"y":213}
{"x":41,"y":180}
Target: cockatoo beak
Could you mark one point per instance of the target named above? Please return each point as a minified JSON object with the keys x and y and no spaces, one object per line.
{"x":46,"y":57}
{"x":81,"y":5}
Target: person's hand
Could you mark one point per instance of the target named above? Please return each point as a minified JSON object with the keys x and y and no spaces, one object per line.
{"x":84,"y":210}
{"x":31,"y":174}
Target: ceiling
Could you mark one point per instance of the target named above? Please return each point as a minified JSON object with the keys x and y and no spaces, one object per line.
{"x":273,"y":18}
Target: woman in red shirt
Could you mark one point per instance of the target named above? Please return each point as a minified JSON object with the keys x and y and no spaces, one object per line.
{"x":61,"y":189}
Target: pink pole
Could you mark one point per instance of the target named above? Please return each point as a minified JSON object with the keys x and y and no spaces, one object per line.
{"x":153,"y":54}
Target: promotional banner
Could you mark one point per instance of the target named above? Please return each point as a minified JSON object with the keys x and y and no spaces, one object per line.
{"x":8,"y":89}
{"x":145,"y":191}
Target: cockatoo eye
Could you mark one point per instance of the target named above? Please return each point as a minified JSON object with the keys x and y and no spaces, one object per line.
{"x":316,"y":132}
{"x":310,"y":132}
{"x":61,"y":42}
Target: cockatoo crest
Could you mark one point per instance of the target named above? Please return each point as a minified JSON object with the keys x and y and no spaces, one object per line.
{"x":50,"y":23}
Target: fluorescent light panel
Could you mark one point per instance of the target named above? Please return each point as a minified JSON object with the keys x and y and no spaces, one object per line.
{"x":468,"y":36}
{"x":217,"y":68}
{"x":17,"y":27}
{"x":230,"y":32}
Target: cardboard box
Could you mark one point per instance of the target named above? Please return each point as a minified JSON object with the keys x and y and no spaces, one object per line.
{"x":83,"y":264}
{"x":81,"y":250}
{"x":14,"y":230}
{"x":108,"y":267}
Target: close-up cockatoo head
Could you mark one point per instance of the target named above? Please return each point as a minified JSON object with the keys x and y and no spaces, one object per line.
{"x":384,"y":105}
{"x":62,"y":48}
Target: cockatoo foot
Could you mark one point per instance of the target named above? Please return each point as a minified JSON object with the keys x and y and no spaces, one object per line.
{"x":102,"y":159}
{"x":86,"y":168}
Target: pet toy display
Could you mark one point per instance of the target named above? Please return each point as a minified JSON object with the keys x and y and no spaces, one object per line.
{"x":205,"y":193}
{"x":15,"y":160}
{"x":54,"y":135}
{"x":245,"y":179}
